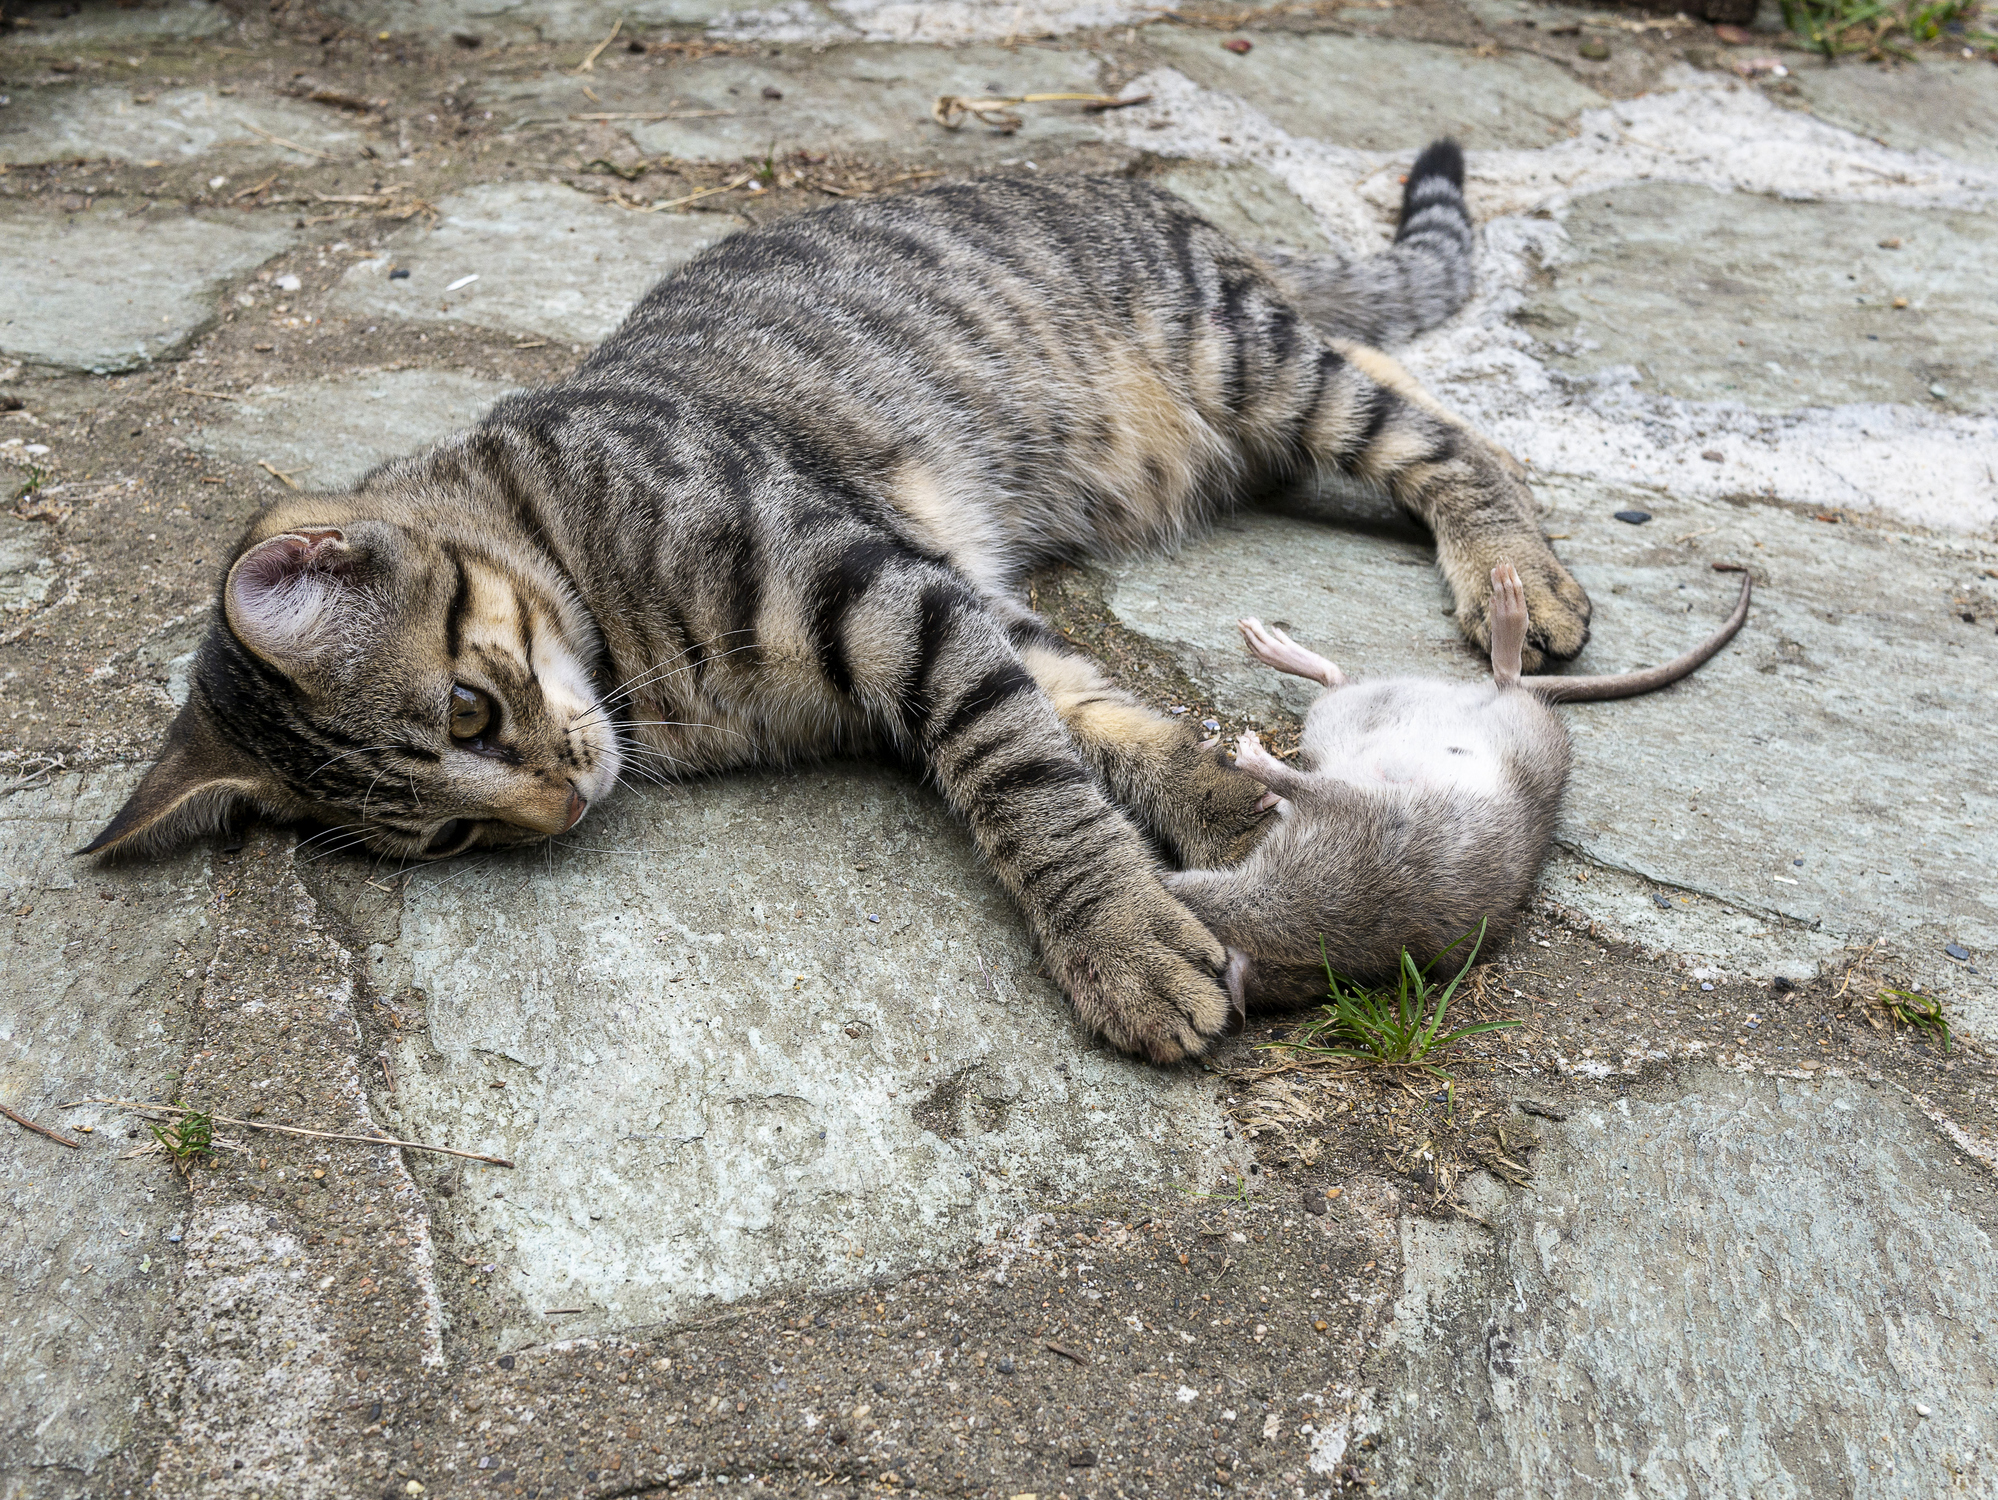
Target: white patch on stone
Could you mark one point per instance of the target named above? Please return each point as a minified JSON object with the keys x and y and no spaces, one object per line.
{"x":1926,"y":466}
{"x":951,"y":23}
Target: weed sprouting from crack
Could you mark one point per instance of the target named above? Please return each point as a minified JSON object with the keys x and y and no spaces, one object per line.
{"x":1924,"y":1012}
{"x":1397,"y":1027}
{"x":187,"y":1142}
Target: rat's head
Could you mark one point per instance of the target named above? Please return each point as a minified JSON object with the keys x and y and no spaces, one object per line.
{"x":421,"y":695}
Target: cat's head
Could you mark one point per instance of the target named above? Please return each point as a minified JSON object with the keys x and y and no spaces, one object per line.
{"x":418,"y":694}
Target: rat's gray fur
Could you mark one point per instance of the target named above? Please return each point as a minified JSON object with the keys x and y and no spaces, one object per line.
{"x":1426,"y":808}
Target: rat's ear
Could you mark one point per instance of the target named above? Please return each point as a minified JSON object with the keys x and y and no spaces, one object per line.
{"x":198,"y":781}
{"x":294,"y":599}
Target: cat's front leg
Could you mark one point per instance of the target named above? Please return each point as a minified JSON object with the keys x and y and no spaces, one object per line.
{"x":1183,"y":792}
{"x":1361,"y":414}
{"x":936,"y":665}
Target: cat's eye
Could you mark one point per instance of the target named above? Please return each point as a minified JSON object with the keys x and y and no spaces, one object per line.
{"x":472,"y":712}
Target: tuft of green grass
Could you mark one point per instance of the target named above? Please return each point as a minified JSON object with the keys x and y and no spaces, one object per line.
{"x":1880,"y":28}
{"x":37,"y":477}
{"x":1397,"y":1026}
{"x":187,"y":1142}
{"x":1924,"y":1012}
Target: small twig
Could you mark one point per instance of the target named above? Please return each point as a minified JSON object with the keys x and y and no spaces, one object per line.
{"x":251,"y":192}
{"x":653,"y":208}
{"x":288,"y":145}
{"x":673,"y":114}
{"x":388,"y":1076}
{"x":1068,"y":1354}
{"x":1691,"y":534}
{"x":27,"y":1124}
{"x":950,"y":110}
{"x":279,"y":474}
{"x":210,"y":395}
{"x":321,"y":1135}
{"x":589,"y":64}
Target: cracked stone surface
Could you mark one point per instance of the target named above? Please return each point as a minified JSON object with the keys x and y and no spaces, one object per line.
{"x":804,"y":1202}
{"x":135,"y":125}
{"x":101,"y":293}
{"x":1716,"y":1206}
{"x":328,"y":433}
{"x":1382,"y":94}
{"x":529,"y":258}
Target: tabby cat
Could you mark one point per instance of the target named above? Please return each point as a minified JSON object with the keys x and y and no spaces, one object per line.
{"x":785,"y":511}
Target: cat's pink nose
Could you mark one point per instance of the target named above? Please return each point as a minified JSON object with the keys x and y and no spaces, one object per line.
{"x":577,"y":807}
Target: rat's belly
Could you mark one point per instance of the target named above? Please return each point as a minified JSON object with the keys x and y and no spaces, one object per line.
{"x":1456,"y":762}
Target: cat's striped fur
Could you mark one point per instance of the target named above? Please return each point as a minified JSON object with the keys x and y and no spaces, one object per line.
{"x":784,"y":511}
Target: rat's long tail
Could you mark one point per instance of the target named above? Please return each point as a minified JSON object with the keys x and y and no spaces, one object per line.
{"x":1633,"y":684}
{"x":1417,"y":282}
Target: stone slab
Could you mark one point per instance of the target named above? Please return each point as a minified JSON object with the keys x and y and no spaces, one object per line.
{"x":548,"y":261}
{"x":542,"y":20}
{"x":948,"y":23}
{"x":98,"y":964}
{"x":99,"y":291}
{"x":110,"y":124}
{"x":1943,"y":104}
{"x":871,"y":100}
{"x":1250,"y":203}
{"x":785,"y":1033}
{"x":1806,"y":739}
{"x":1736,"y":1286}
{"x":1379,"y":94}
{"x":328,"y":433}
{"x":1776,"y":305}
{"x":105,"y":23}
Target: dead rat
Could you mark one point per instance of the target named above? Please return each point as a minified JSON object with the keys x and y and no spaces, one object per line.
{"x":1427,"y":808}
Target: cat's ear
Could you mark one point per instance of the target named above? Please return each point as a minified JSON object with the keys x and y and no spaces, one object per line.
{"x":199,"y":780}
{"x":295,"y":599}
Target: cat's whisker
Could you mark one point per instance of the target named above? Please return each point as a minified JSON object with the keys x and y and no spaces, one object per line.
{"x":329,"y":850}
{"x":345,"y":754}
{"x":649,"y":676}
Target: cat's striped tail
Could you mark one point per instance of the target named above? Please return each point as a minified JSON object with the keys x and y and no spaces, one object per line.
{"x":1417,"y":282}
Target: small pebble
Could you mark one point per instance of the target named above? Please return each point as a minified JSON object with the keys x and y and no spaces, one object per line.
{"x":1313,"y":1203}
{"x":288,"y":283}
{"x":1178,"y":708}
{"x":1662,"y":903}
{"x":1921,"y":1410}
{"x":872,"y":917}
{"x":773,"y":93}
{"x":1212,"y":726}
{"x":1634,"y":517}
{"x":1957,"y":951}
{"x":1705,"y":984}
{"x":1939,"y":392}
{"x":1006,"y":1365}
{"x":1714,"y":456}
{"x":1594,"y":50}
{"x":400,"y":273}
{"x":1238,"y":46}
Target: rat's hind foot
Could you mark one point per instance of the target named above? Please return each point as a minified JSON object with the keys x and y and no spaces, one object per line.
{"x":1508,"y":624}
{"x":1273,"y":648}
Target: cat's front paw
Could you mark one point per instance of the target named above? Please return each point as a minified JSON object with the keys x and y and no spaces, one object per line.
{"x":1149,"y":977}
{"x":1557,"y":608}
